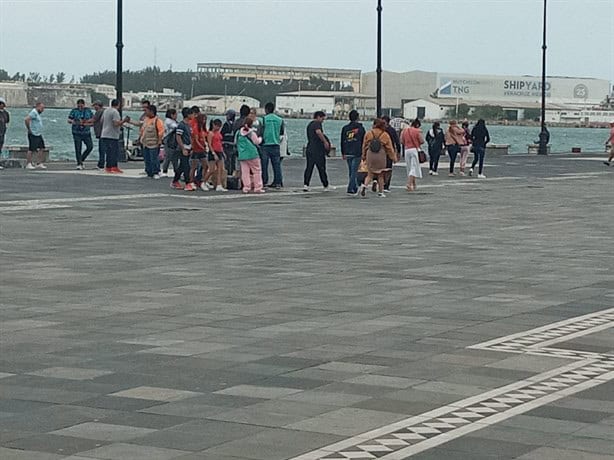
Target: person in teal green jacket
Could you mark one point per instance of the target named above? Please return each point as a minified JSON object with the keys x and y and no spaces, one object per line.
{"x":247,"y":141}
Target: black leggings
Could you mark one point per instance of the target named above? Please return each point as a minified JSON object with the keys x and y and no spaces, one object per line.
{"x":317,"y":159}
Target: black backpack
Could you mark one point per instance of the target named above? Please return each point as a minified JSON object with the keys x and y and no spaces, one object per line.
{"x":171,"y":140}
{"x":375,"y":145}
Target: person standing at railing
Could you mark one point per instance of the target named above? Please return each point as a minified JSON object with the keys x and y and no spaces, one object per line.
{"x":5,"y":118}
{"x":610,"y":141}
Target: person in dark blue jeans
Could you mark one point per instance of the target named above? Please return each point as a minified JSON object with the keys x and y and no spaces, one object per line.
{"x":272,"y":130}
{"x":352,"y":136}
{"x":455,"y":137}
{"x":480,"y":137}
{"x":81,"y":119}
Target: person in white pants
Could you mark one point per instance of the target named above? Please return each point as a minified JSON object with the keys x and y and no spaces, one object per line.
{"x":412,"y":140}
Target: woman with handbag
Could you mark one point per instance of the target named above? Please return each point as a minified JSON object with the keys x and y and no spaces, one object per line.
{"x":412,"y":140}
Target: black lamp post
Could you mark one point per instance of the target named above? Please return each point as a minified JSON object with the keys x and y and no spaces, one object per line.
{"x":379,"y":59}
{"x":120,"y":47}
{"x":119,"y":74}
{"x":543,"y":135}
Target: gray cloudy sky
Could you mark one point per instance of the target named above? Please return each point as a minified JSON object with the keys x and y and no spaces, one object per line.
{"x":473,"y":36}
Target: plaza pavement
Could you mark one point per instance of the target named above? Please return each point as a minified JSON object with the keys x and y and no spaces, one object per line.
{"x":470,"y":320}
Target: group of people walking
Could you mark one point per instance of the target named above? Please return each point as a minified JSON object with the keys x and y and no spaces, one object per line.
{"x":370,"y":155}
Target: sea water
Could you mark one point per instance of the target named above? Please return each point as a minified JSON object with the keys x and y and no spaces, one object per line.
{"x":57,"y":134}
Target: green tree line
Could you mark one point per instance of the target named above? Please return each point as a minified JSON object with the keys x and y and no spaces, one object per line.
{"x":191,"y":84}
{"x":35,"y":77}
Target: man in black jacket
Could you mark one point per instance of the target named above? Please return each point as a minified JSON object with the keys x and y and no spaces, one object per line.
{"x":396,"y":143}
{"x":352,"y":136}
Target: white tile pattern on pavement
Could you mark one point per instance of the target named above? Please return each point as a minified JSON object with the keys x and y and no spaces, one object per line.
{"x":403,"y":439}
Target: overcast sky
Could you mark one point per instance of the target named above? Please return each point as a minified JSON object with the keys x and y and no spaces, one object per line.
{"x":473,"y":36}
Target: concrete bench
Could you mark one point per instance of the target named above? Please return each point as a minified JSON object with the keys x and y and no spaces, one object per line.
{"x":19,"y":152}
{"x":533,"y":149}
{"x":498,"y":149}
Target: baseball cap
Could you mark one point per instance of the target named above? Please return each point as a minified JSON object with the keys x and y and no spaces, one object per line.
{"x":2,"y":101}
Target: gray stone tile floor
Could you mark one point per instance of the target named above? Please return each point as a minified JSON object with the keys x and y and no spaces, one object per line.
{"x":137,"y":322}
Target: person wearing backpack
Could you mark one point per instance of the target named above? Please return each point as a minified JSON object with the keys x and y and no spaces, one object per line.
{"x":412,"y":140}
{"x":247,"y":142}
{"x":183,"y":137}
{"x":171,"y":152}
{"x":152,"y":136}
{"x":352,"y":136}
{"x":377,"y":148}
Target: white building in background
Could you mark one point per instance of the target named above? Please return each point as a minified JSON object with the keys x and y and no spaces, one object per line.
{"x":15,"y":93}
{"x":502,"y":90}
{"x":335,"y":103}
{"x":107,"y":91}
{"x":219,"y":104}
{"x":437,"y":109}
{"x":167,"y":99}
{"x":580,"y":117}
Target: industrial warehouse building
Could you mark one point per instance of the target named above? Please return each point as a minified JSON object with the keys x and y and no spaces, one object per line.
{"x":431,"y":94}
{"x":335,"y":103}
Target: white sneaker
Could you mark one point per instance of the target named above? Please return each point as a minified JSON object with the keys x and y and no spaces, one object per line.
{"x":219,"y":188}
{"x":362,"y":190}
{"x":156,"y":176}
{"x":481,"y":176}
{"x":163,"y":174}
{"x":462,"y":173}
{"x":79,"y":168}
{"x":306,"y":188}
{"x":381,"y":195}
{"x":30,"y":166}
{"x":471,"y":171}
{"x":386,"y":190}
{"x":330,"y":188}
{"x":99,"y":168}
{"x":435,"y":173}
{"x":430,"y":173}
{"x":41,"y":166}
